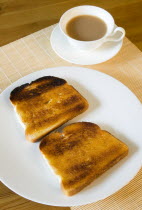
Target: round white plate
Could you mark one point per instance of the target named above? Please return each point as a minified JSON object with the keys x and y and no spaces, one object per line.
{"x":66,"y":51}
{"x":112,"y":106}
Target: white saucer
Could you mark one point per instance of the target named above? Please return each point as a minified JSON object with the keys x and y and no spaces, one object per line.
{"x":71,"y":54}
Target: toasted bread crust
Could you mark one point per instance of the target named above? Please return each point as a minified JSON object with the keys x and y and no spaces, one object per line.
{"x":24,"y":92}
{"x":81,"y":153}
{"x":45,"y":104}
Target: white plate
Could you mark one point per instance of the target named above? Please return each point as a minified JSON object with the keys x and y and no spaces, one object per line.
{"x":66,"y":51}
{"x":112,"y":106}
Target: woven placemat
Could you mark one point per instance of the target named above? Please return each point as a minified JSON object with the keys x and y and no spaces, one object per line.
{"x":34,"y":52}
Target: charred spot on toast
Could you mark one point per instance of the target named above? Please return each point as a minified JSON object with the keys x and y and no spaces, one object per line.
{"x":70,"y":100}
{"x":45,"y":78}
{"x":43,"y":144}
{"x":17,"y":90}
{"x":79,"y":108}
{"x":76,"y":179}
{"x":83,"y":166}
{"x":61,"y":147}
{"x":42,"y":85}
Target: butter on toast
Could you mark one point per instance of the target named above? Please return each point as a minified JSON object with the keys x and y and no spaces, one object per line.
{"x":45,"y":104}
{"x":81,"y":153}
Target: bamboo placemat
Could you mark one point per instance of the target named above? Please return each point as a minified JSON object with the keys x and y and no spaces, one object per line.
{"x":33,"y":53}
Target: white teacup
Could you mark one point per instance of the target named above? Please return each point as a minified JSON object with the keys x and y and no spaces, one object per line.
{"x":93,"y":11}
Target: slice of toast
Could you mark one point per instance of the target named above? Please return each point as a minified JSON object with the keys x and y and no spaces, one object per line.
{"x":45,"y":104}
{"x":81,"y":153}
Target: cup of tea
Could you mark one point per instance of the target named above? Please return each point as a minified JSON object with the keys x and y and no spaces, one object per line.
{"x":88,"y":27}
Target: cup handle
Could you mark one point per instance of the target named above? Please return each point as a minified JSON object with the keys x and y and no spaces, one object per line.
{"x":112,"y":38}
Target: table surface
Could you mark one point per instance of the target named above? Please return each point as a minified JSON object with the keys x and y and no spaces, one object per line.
{"x":33,"y":53}
{"x":20,"y":18}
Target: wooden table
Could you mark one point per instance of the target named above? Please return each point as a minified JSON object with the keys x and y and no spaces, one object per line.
{"x":19,"y":18}
{"x":23,"y":17}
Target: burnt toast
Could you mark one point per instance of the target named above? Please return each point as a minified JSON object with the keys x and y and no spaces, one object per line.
{"x":45,"y":104}
{"x":80,"y":154}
